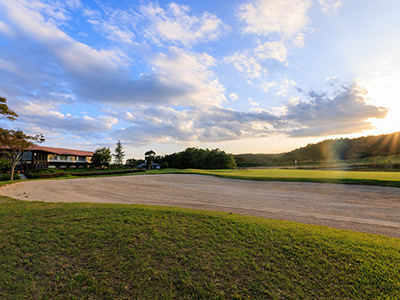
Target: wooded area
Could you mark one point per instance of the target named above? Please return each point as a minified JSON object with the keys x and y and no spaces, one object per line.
{"x":195,"y":158}
{"x":369,"y":147}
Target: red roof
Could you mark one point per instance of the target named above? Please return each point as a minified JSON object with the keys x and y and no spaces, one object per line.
{"x":62,"y":151}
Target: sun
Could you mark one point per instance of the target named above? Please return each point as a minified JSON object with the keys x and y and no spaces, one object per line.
{"x":384,"y":91}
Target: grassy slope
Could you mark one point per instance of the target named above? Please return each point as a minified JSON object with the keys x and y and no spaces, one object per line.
{"x":95,"y":251}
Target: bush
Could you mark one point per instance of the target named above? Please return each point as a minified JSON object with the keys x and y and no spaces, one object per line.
{"x":52,"y":174}
{"x":104,"y":172}
{"x":5,"y":177}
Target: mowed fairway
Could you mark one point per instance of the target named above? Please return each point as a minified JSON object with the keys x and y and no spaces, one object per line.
{"x":332,"y":176}
{"x":368,"y":209}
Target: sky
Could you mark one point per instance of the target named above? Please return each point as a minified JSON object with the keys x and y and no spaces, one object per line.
{"x":256,"y":76}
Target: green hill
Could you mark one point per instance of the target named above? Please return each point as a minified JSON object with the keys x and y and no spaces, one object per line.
{"x":380,"y":151}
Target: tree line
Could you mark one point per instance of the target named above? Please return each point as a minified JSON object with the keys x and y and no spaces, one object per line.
{"x":194,"y":158}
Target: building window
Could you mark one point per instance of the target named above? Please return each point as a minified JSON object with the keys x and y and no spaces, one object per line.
{"x":27,"y":156}
{"x":52,"y":157}
{"x":63,"y":157}
{"x":82,"y":158}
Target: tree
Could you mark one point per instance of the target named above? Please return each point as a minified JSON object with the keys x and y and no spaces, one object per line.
{"x":200,"y":159}
{"x":131,"y":163}
{"x":16,"y":142}
{"x":5,"y":162}
{"x":149,"y":156}
{"x":119,"y":154}
{"x":101,"y":157}
{"x":5,"y":111}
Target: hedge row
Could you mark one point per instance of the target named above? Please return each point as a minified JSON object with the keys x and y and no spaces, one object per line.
{"x":89,"y":173}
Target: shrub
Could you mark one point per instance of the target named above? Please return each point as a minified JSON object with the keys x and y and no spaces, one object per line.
{"x":53,"y":175}
{"x":5,"y":177}
{"x":104,"y":172}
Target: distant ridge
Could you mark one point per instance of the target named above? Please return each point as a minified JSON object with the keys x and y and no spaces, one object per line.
{"x":362,"y":148}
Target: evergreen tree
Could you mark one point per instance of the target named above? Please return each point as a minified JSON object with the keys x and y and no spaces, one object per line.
{"x":118,"y":154}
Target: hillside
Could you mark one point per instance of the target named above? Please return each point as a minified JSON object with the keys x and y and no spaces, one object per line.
{"x":380,"y":150}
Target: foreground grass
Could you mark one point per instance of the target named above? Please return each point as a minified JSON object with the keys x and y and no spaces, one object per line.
{"x":95,"y":251}
{"x":330,"y":176}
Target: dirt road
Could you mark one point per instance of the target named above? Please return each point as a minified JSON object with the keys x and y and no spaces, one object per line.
{"x":361,"y":208}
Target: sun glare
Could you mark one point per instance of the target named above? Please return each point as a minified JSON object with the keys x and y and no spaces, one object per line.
{"x":384,"y":91}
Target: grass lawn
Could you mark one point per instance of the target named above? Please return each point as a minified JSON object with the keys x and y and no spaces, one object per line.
{"x":106,"y":251}
{"x":348,"y":177}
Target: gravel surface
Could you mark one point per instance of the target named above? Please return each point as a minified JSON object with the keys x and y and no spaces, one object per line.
{"x":361,"y":208}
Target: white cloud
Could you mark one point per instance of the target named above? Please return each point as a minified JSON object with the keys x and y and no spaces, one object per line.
{"x":315,"y":115}
{"x":272,"y":50}
{"x":66,"y":66}
{"x":175,"y":24}
{"x":177,"y":78}
{"x":4,"y":28}
{"x":197,"y":125}
{"x":279,"y":26}
{"x":264,"y":17}
{"x":330,"y":5}
{"x":76,"y":57}
{"x":13,"y":68}
{"x":285,"y":86}
{"x":116,"y":24}
{"x":114,"y":32}
{"x":253,"y":103}
{"x":49,"y":119}
{"x":233,"y":96}
{"x":74,"y":4}
{"x":191,"y":73}
{"x":267,"y":85}
{"x":246,"y":64}
{"x":345,"y":113}
{"x":178,"y":97}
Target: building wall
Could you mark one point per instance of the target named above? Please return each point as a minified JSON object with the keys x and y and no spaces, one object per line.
{"x":52,"y":158}
{"x":33,"y":160}
{"x":38,"y":160}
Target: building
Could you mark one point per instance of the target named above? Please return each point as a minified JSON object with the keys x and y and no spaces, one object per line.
{"x":153,"y":166}
{"x":39,"y":158}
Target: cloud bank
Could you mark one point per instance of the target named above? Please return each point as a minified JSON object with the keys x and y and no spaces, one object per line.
{"x":314,"y":115}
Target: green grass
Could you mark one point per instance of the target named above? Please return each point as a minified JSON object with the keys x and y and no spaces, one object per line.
{"x":311,"y":174}
{"x":106,"y":251}
{"x":347,"y":177}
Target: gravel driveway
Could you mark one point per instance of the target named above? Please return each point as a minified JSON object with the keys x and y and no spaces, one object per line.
{"x":361,"y":208}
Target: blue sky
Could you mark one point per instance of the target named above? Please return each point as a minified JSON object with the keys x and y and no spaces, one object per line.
{"x":258,"y":76}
